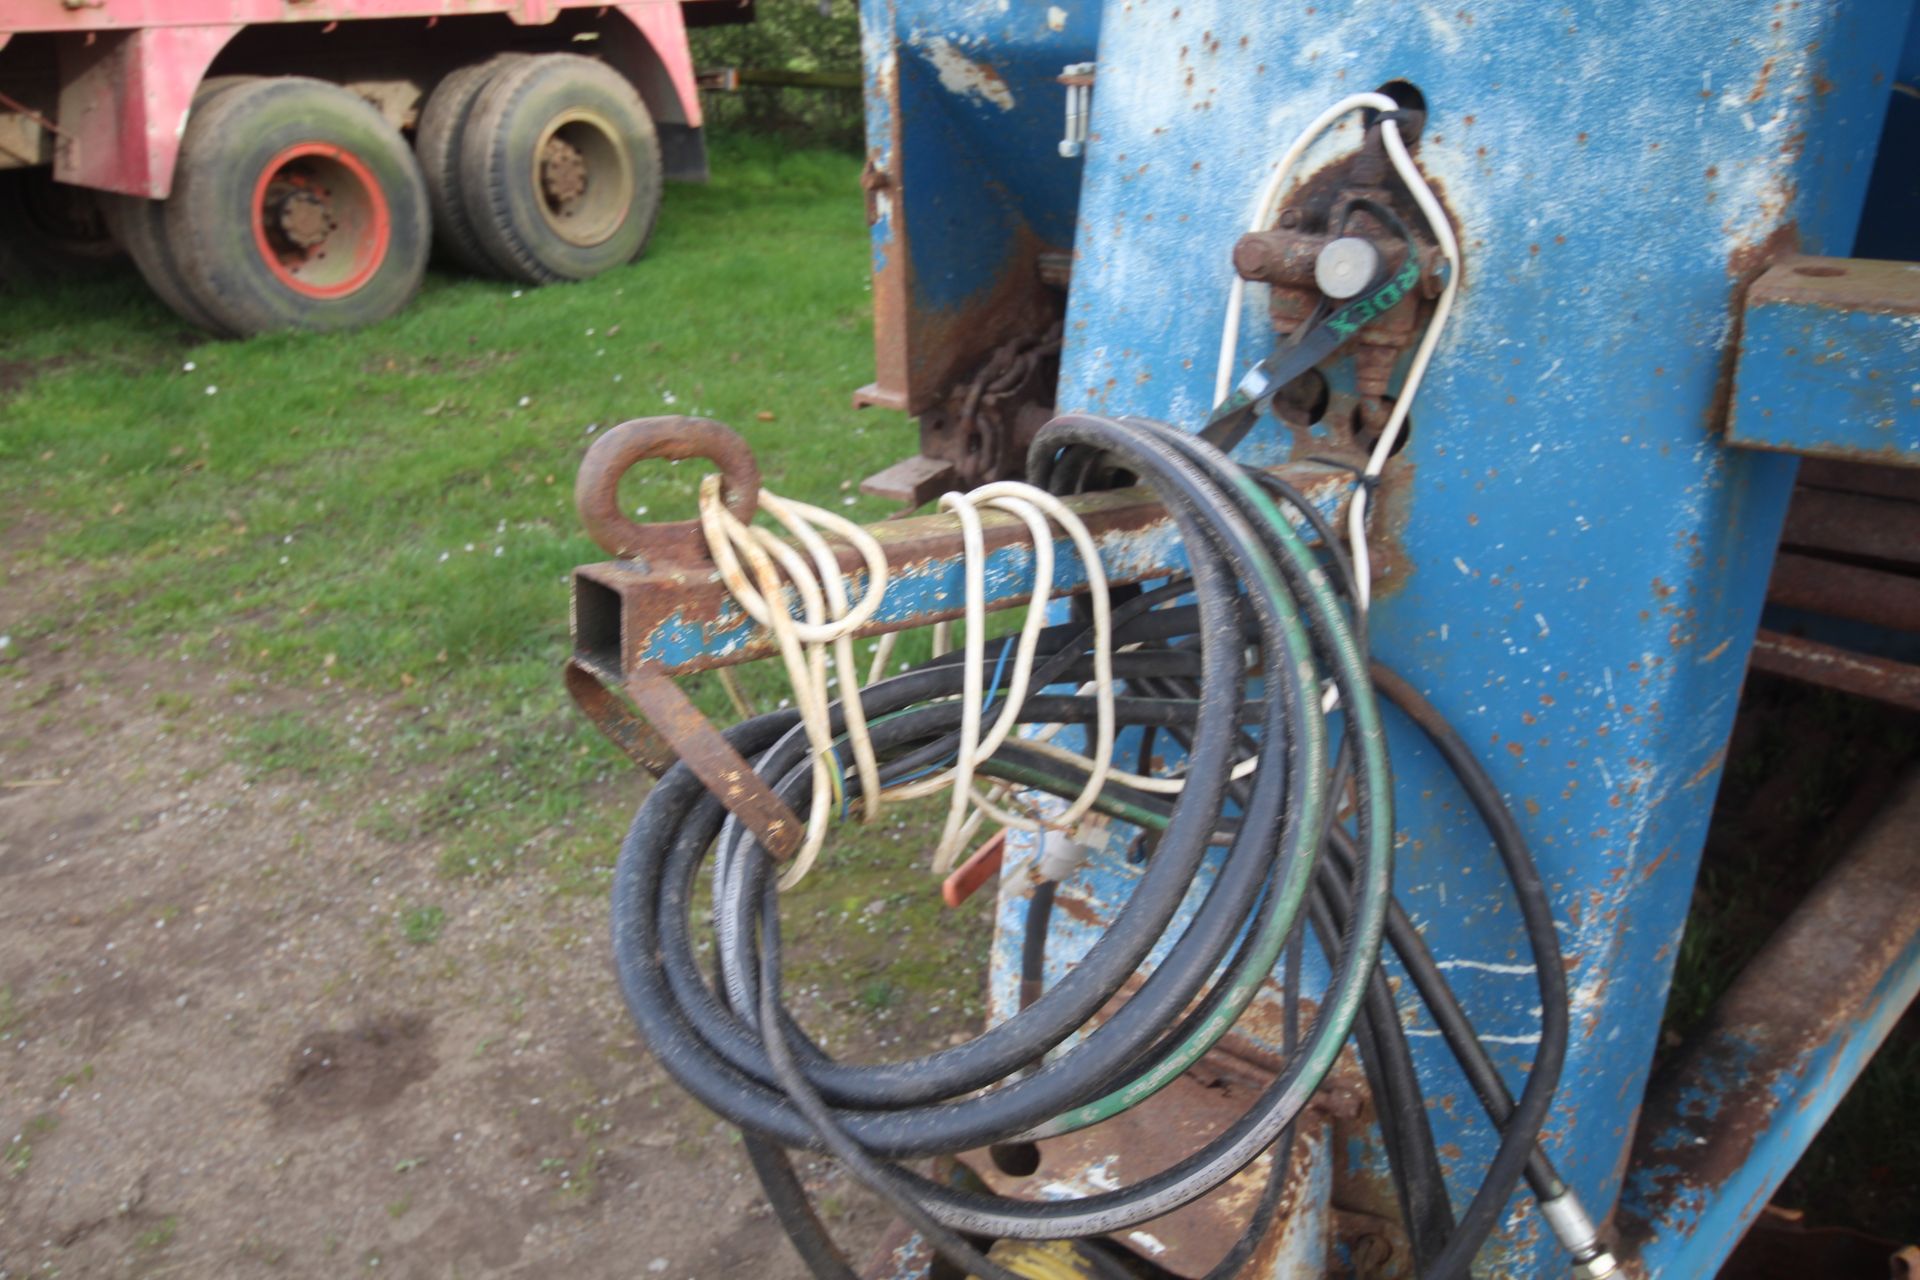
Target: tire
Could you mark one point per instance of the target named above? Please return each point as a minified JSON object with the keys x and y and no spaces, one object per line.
{"x":137,"y":224}
{"x":296,"y":206}
{"x":560,"y":170}
{"x":436,"y":143}
{"x":50,"y":230}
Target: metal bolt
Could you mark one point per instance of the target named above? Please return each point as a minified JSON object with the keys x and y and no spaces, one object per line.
{"x":303,"y":219}
{"x":1346,"y":266}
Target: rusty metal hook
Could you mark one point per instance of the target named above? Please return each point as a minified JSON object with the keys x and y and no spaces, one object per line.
{"x":596,"y":490}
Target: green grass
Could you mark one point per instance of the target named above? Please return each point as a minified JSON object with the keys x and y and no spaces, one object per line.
{"x":158,"y":1236}
{"x":422,"y":925}
{"x":287,"y":741}
{"x":391,"y":510}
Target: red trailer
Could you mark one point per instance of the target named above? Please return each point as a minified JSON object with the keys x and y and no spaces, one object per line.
{"x":275,"y":164}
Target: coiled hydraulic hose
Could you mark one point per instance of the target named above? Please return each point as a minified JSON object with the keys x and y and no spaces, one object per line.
{"x":1258,"y":600}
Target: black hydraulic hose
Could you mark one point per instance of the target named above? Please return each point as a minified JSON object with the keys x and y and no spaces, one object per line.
{"x":821,"y":1116}
{"x":733,"y":1044}
{"x":1415,"y":1167}
{"x":1436,"y":994}
{"x":1219,"y":918}
{"x":1529,"y":1114}
{"x":1406,"y":1133}
{"x":1399,"y":1105}
{"x":1234,"y":1142}
{"x":791,"y":1206}
{"x":916,"y":686}
{"x":718,"y":1079}
{"x":1282,"y":1151}
{"x":1033,"y":945}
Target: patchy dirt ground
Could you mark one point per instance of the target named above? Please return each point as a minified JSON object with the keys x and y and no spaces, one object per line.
{"x":234,"y":1042}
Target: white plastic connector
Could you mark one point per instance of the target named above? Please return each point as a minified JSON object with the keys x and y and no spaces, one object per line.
{"x":1060,"y":856}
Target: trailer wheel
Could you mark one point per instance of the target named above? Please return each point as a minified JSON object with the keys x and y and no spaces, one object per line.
{"x":296,"y":206}
{"x":138,"y":224}
{"x":437,"y":145}
{"x":49,"y":229}
{"x":560,"y":169}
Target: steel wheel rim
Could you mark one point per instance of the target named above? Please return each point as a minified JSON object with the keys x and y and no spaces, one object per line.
{"x":321,"y":221}
{"x":583,"y":181}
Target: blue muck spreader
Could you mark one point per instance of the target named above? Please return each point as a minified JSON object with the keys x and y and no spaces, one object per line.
{"x":1403,"y":426}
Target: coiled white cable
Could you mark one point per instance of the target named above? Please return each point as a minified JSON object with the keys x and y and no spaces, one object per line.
{"x":828,"y":621}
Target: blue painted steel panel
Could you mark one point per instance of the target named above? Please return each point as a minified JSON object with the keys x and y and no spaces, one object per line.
{"x":1830,"y":362}
{"x":1727,"y":1122}
{"x":964,"y":117}
{"x":1696,"y":1230}
{"x":1585,"y":562}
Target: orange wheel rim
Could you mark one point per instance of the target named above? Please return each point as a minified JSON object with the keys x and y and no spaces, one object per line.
{"x":321,"y":221}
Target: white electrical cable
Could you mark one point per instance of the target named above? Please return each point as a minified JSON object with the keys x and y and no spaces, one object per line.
{"x":828,"y":621}
{"x":1422,"y":356}
{"x":1267,"y":209}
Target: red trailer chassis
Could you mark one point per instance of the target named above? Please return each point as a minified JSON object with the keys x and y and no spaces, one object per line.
{"x":125,"y":70}
{"x":97,"y":95}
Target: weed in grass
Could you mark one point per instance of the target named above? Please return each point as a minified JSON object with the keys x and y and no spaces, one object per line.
{"x":72,"y":1078}
{"x":159,"y":1235}
{"x":263,"y":1251}
{"x":422,"y":925}
{"x":581,"y":1180}
{"x":17,"y":1157}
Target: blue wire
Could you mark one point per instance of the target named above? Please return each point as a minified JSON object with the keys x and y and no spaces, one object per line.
{"x":1006,"y":647}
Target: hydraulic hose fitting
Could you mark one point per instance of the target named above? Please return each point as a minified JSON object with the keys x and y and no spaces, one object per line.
{"x":1592,"y":1260}
{"x":1598,"y":1267}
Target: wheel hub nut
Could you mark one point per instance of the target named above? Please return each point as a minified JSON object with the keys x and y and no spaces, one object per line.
{"x":303,"y":219}
{"x":563,"y":171}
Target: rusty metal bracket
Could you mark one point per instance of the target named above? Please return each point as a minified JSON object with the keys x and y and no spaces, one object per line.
{"x":673,"y":727}
{"x":1863,"y":675}
{"x":633,"y":735}
{"x":724,"y":771}
{"x":661,"y":609}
